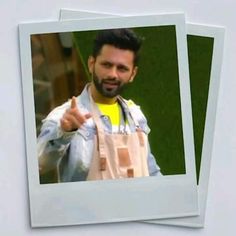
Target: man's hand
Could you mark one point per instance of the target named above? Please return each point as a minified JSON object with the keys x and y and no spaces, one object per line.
{"x":72,"y":118}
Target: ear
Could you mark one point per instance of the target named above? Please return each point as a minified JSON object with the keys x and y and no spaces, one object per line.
{"x":134,"y":72}
{"x":91,"y":62}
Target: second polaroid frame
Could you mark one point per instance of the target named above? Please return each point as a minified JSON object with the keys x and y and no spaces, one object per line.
{"x":215,"y":33}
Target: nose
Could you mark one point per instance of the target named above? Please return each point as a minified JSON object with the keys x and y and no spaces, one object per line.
{"x":113,"y":73}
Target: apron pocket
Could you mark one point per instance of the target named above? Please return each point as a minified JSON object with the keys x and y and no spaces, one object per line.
{"x":123,"y":157}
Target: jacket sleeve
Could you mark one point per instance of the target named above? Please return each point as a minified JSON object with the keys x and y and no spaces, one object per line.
{"x":52,"y":144}
{"x":153,"y":168}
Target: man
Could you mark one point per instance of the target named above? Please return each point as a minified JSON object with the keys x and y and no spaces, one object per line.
{"x":100,"y":135}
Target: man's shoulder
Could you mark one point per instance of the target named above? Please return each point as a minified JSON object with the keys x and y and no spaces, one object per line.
{"x":134,"y":108}
{"x":137,"y":114}
{"x":131,"y":104}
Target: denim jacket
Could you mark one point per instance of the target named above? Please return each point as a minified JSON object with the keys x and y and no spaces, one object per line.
{"x":71,"y":152}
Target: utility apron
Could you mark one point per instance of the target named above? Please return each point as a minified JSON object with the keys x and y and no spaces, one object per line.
{"x":118,"y":155}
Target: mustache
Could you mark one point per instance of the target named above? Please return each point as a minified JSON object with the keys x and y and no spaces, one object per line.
{"x":111,"y":81}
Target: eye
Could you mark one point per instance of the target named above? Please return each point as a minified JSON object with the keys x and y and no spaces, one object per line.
{"x":106,"y":64}
{"x":123,"y":68}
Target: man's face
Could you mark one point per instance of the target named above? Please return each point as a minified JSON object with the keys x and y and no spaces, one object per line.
{"x":112,"y":69}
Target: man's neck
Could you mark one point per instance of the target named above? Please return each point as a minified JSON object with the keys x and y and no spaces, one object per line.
{"x":99,"y":98}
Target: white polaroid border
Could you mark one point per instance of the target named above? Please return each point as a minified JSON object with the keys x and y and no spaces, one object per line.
{"x":217,"y":33}
{"x":114,"y":200}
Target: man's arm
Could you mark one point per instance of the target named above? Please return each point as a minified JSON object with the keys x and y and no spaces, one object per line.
{"x":153,"y":168}
{"x":56,"y":134}
{"x":52,"y":144}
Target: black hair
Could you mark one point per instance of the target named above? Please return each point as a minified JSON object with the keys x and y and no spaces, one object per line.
{"x":119,"y":38}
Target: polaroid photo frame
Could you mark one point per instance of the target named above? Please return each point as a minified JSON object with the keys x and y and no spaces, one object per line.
{"x":200,"y":38}
{"x":90,"y":202}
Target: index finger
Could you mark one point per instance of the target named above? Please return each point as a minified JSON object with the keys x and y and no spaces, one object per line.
{"x":73,"y":102}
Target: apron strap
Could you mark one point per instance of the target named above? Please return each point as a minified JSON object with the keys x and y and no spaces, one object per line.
{"x":131,"y":115}
{"x":100,"y":134}
{"x":133,"y":118}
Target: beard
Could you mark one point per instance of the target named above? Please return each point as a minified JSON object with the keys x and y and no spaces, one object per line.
{"x":109,"y":87}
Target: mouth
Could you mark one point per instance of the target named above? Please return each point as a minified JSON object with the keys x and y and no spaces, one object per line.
{"x":111,"y":84}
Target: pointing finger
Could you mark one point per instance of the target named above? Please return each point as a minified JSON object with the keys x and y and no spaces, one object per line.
{"x":73,"y":102}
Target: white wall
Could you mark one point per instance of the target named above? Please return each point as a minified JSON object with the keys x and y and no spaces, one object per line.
{"x":14,"y":211}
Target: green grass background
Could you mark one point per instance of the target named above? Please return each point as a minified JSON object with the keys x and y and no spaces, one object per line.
{"x":200,"y":50}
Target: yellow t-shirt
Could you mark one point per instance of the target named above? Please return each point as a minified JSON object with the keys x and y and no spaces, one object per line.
{"x":114,"y":114}
{"x":112,"y":111}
